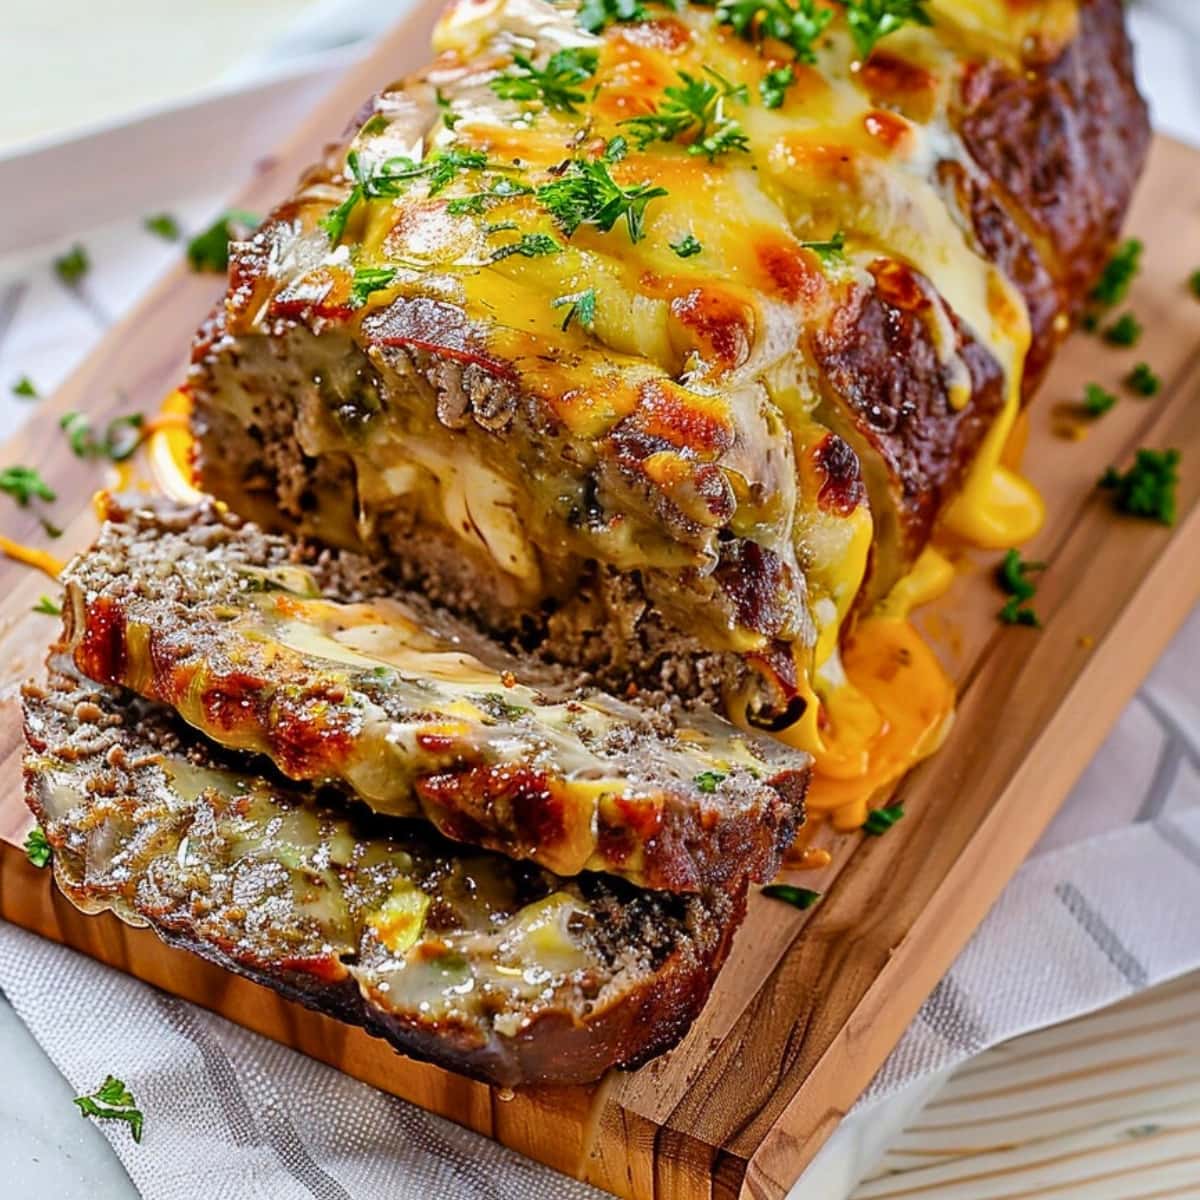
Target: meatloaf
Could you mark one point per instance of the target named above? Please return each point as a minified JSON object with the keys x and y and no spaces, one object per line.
{"x":661,"y":340}
{"x":495,"y":968}
{"x":317,"y":663}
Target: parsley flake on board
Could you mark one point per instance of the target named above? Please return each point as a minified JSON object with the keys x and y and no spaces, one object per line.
{"x":1126,"y":330}
{"x":686,"y":246}
{"x":871,"y":21}
{"x":880,"y":820}
{"x":72,"y":266}
{"x":694,"y":106}
{"x":594,"y":15}
{"x":582,"y":308}
{"x":1119,"y":272}
{"x":113,"y":1101}
{"x":709,"y":781}
{"x":555,"y":84}
{"x":1143,"y":380}
{"x":209,"y":249}
{"x":37,"y":848}
{"x":798,"y":897}
{"x":1013,"y":577}
{"x":49,"y":607}
{"x":122,"y":436}
{"x":162,"y":225}
{"x":1194,"y":284}
{"x":1097,"y":401}
{"x":25,"y":389}
{"x":1148,"y":488}
{"x":587,"y":194}
{"x":24,"y":484}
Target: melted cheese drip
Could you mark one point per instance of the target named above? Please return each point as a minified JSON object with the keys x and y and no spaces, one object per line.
{"x":41,"y":560}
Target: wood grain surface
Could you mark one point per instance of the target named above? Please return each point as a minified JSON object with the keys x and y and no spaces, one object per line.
{"x":1106,"y":1107}
{"x":810,"y":1003}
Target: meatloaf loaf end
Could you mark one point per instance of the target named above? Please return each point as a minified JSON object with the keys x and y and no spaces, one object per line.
{"x":486,"y":966}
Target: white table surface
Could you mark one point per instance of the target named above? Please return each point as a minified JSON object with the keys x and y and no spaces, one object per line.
{"x":71,"y":65}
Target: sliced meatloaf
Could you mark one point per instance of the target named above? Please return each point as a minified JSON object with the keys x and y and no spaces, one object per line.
{"x":487,"y":966}
{"x":321,"y":667}
{"x":656,"y":405}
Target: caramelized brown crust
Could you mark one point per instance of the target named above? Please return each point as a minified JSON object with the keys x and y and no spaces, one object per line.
{"x":1061,"y":144}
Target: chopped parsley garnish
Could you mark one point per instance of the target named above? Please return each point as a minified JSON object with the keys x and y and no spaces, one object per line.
{"x":46,"y":605}
{"x":880,"y":820}
{"x":394,"y":176}
{"x":477,"y":203}
{"x":582,"y":308}
{"x":798,"y":25}
{"x":209,"y":249}
{"x":695,"y":106}
{"x":831,"y":252}
{"x":1194,"y":284}
{"x":587,"y":194}
{"x":1013,"y":577}
{"x":1147,"y":489}
{"x":871,"y":21}
{"x":24,"y":388}
{"x":72,"y":266}
{"x":449,"y":117}
{"x":37,"y":848}
{"x":797,"y":897}
{"x":1096,"y":401}
{"x":1119,"y":272}
{"x":773,"y":86}
{"x":686,"y":246}
{"x":113,"y":1101}
{"x":555,"y":84}
{"x":24,"y":484}
{"x":378,"y":123}
{"x":503,"y":707}
{"x":368,"y":280}
{"x":528,"y":245}
{"x":122,"y":436}
{"x":594,"y":15}
{"x":708,"y":781}
{"x":1126,"y":330}
{"x":162,"y":225}
{"x":1143,"y":380}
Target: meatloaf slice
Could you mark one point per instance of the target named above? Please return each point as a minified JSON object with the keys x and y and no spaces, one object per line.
{"x":487,"y":966}
{"x":312,"y":666}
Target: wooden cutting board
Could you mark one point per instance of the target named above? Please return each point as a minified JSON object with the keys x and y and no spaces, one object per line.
{"x":810,"y":1003}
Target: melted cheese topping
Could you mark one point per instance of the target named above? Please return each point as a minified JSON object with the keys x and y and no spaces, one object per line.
{"x":712,"y":331}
